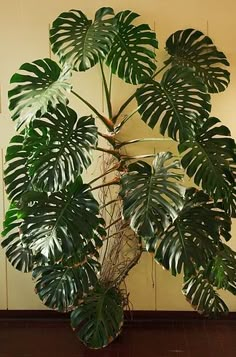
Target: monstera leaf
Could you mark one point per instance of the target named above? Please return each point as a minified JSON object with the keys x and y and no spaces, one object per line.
{"x":99,"y":317}
{"x":61,"y":222}
{"x":179,"y":101}
{"x":209,"y":157}
{"x":192,"y":49}
{"x":192,"y":240}
{"x":131,"y":55}
{"x":60,"y":287}
{"x":202,"y":296}
{"x":65,"y":152}
{"x":18,"y":253}
{"x":37,"y":85}
{"x":79,"y":42}
{"x":221,"y":270}
{"x":16,"y":178}
{"x":151,"y":194}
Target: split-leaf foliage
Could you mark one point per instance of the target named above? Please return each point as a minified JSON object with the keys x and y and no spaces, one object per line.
{"x":54,"y":227}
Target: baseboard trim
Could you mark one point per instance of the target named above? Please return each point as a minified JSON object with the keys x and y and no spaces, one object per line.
{"x":130,"y":316}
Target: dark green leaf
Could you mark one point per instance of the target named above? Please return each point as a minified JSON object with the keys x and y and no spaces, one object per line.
{"x":221,"y":271}
{"x":209,"y":157}
{"x":37,"y":85}
{"x":60,"y":287}
{"x":193,"y":239}
{"x":17,"y":252}
{"x":99,"y":317}
{"x":64,"y":149}
{"x":16,"y":178}
{"x":132,"y":54}
{"x":192,"y":49}
{"x":79,"y":42}
{"x":179,"y":102}
{"x":151,"y":194}
{"x":202,"y":296}
{"x":61,"y":222}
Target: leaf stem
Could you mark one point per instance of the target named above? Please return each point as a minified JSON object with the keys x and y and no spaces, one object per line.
{"x":113,"y":223}
{"x":108,"y":137}
{"x":107,"y":91}
{"x":108,"y":151}
{"x":119,"y":126}
{"x":108,"y":123}
{"x":114,"y":168}
{"x":126,"y":103}
{"x":109,"y":203}
{"x":134,"y":141}
{"x":127,"y":157}
{"x":115,"y":181}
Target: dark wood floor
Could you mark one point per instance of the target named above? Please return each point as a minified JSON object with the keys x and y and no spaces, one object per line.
{"x":163,"y":338}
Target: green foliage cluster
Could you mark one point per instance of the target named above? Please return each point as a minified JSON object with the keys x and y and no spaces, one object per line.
{"x":54,"y":226}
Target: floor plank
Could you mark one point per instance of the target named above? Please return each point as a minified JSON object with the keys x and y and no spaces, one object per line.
{"x":164,"y":338}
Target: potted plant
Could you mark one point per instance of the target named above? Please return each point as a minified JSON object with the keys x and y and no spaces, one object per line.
{"x":80,"y":245}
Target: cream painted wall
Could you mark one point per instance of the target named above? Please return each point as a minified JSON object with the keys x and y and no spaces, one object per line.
{"x":24,"y":28}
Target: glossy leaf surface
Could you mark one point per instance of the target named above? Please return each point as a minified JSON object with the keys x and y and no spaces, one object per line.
{"x":152,"y":195}
{"x":65,"y":145}
{"x":193,"y":239}
{"x":203,"y":297}
{"x":178,"y":103}
{"x":192,"y":49}
{"x":61,"y":222}
{"x":132,"y":53}
{"x":99,"y":318}
{"x":81,"y":42}
{"x":19,"y":254}
{"x":209,"y":157}
{"x":60,"y":286}
{"x":36,"y":86}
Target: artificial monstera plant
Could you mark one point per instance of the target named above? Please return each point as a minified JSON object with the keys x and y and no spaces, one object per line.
{"x":80,"y":239}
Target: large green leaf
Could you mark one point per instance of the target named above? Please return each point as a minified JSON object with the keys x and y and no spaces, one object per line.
{"x":179,"y":101}
{"x":61,"y":222}
{"x":132,"y":54}
{"x":64,"y":150}
{"x":37,"y":85}
{"x":192,"y":49}
{"x":79,"y":42}
{"x":60,"y":287}
{"x":193,"y":239}
{"x":202,"y":296}
{"x":99,"y":317}
{"x":16,"y":178}
{"x":221,"y":270}
{"x":151,"y":194}
{"x":18,"y":253}
{"x":208,"y":156}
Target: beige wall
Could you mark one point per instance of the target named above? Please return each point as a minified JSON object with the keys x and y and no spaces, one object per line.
{"x":24,"y":28}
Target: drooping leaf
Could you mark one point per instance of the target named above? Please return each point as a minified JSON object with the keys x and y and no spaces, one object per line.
{"x":221,"y":270}
{"x":151,"y":194}
{"x":16,"y":178}
{"x":178,"y":102}
{"x":60,"y":287}
{"x":80,"y":42}
{"x":208,"y":157}
{"x":61,"y":222}
{"x":64,"y":150}
{"x":99,"y":318}
{"x":193,"y":239}
{"x":192,"y":49}
{"x":132,"y":53}
{"x":18,"y":253}
{"x":202,"y":296}
{"x":37,"y":85}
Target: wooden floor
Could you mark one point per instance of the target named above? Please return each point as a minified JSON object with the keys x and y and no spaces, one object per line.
{"x":163,"y":338}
